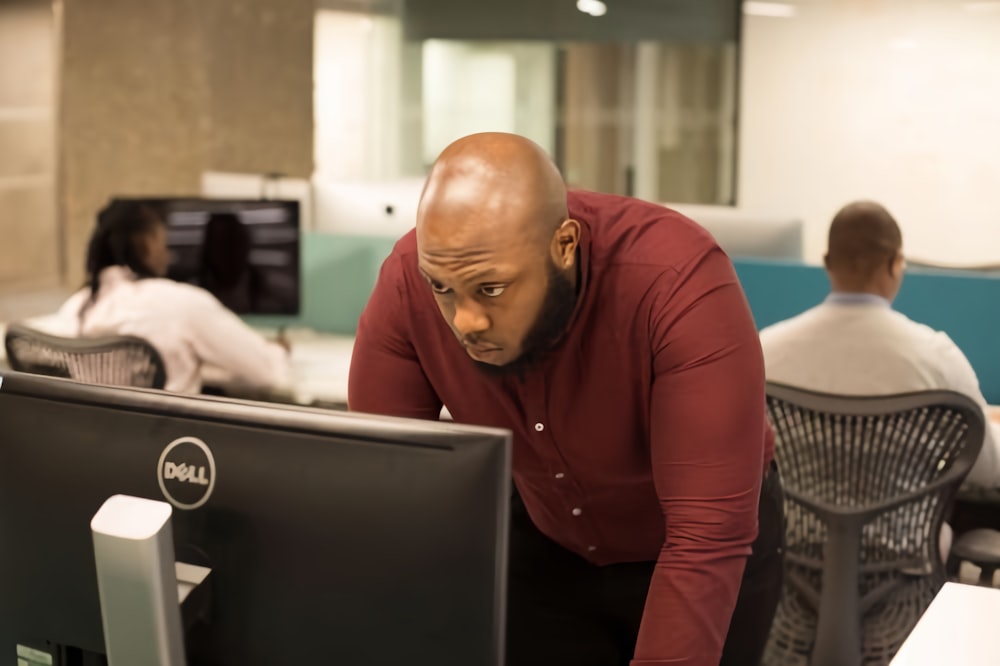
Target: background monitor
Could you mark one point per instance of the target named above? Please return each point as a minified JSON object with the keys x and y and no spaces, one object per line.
{"x":366,"y":208}
{"x":333,"y":537}
{"x":743,"y":233}
{"x":246,"y":252}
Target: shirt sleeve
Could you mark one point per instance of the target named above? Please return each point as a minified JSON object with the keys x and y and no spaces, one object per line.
{"x":386,"y":376}
{"x":65,"y":321}
{"x":708,"y":433}
{"x":222,"y":340}
{"x":959,"y":376}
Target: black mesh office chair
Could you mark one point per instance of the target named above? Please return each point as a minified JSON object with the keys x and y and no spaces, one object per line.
{"x":868,"y":482}
{"x":119,"y":360}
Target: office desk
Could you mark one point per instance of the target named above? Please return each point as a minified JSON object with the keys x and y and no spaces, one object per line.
{"x":320,"y":366}
{"x":959,"y":627}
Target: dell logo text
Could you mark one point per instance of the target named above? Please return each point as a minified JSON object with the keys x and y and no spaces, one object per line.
{"x":186,"y":472}
{"x":183,"y":472}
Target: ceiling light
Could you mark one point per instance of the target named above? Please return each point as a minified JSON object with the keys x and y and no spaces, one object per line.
{"x":771,"y":9}
{"x":592,"y":7}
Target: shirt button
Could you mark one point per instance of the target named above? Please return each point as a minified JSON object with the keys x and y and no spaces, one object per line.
{"x":577,"y":511}
{"x":560,"y":475}
{"x":539,"y":427}
{"x":591,"y":549}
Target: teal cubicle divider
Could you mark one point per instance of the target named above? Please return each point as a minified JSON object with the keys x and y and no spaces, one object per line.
{"x":965,"y":306}
{"x":338,"y":273}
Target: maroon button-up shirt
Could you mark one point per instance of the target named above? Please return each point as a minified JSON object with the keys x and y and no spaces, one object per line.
{"x":642,"y":435}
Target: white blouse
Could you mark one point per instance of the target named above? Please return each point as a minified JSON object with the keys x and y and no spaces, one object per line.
{"x":186,"y":324}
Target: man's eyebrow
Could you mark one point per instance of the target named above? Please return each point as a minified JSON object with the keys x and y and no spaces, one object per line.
{"x":427,"y":276}
{"x":486,"y":275}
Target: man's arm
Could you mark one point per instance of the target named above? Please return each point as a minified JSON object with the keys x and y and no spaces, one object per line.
{"x":386,"y":376}
{"x":707,"y":447}
{"x":958,"y":375}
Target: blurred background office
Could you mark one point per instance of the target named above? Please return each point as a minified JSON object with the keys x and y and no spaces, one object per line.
{"x":783,"y":108}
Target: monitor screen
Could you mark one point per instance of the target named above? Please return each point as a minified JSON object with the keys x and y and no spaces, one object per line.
{"x":246,"y":252}
{"x":332,"y":537}
{"x":742,"y":233}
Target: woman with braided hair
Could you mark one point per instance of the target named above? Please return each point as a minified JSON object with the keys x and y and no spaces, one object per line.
{"x":127,"y":293}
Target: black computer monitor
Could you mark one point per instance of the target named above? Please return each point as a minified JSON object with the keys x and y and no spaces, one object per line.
{"x":333,"y":537}
{"x":246,"y":252}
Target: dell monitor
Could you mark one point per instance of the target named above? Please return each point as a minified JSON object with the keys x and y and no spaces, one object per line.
{"x":332,"y":537}
{"x":246,"y":252}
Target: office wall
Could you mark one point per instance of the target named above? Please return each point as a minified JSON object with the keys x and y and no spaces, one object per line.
{"x":29,"y":243}
{"x":896,"y":100}
{"x":156,"y":92}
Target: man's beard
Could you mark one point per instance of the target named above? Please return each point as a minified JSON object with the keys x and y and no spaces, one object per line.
{"x":549,"y":326}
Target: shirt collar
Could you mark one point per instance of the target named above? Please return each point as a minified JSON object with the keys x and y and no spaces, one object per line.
{"x":857,"y":298}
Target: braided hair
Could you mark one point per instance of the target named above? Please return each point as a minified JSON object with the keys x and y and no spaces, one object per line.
{"x":118,"y":240}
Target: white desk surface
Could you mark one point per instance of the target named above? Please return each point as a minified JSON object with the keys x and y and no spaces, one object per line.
{"x":959,"y":627}
{"x":321,"y":364}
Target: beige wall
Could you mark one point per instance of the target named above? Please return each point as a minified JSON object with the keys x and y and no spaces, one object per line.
{"x":156,"y":92}
{"x":29,"y":249}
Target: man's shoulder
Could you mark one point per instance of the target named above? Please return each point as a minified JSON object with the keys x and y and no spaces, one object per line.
{"x":793,"y":326}
{"x":633,"y":231}
{"x":403,"y":253}
{"x":923,"y":336}
{"x":831,"y":321}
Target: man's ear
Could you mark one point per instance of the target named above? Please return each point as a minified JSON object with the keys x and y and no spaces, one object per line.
{"x":564,"y":243}
{"x":896,"y":265}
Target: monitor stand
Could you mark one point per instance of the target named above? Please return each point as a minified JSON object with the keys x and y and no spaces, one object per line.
{"x":141,"y":586}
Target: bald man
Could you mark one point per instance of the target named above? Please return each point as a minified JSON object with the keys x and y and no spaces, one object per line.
{"x":612,"y":337}
{"x":854,"y":343}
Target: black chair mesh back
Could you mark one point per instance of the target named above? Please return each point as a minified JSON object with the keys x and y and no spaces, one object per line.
{"x":846,"y":456}
{"x":112,"y":360}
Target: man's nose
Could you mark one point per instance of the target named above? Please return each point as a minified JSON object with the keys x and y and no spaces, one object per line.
{"x":470,"y":320}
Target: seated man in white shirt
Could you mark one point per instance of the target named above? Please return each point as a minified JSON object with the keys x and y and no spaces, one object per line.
{"x":854,"y":343}
{"x":127,"y":259}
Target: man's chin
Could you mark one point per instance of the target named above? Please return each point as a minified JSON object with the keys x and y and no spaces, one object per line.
{"x":504,"y":367}
{"x":494,"y":356}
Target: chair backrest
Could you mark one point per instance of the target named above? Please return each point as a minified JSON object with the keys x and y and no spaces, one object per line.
{"x":868,"y":482}
{"x":119,"y":360}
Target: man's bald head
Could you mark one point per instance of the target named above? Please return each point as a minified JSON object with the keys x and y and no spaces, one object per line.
{"x":493,"y":184}
{"x":497,"y":249}
{"x":864,"y":244}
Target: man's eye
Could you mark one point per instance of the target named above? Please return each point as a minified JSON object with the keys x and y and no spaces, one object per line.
{"x":492,"y":291}
{"x":439,"y":288}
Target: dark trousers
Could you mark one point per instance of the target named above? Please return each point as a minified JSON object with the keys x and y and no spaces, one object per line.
{"x":564,"y":610}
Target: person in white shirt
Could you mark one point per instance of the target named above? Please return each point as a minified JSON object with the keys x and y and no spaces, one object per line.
{"x":854,"y":343}
{"x":127,"y":259}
